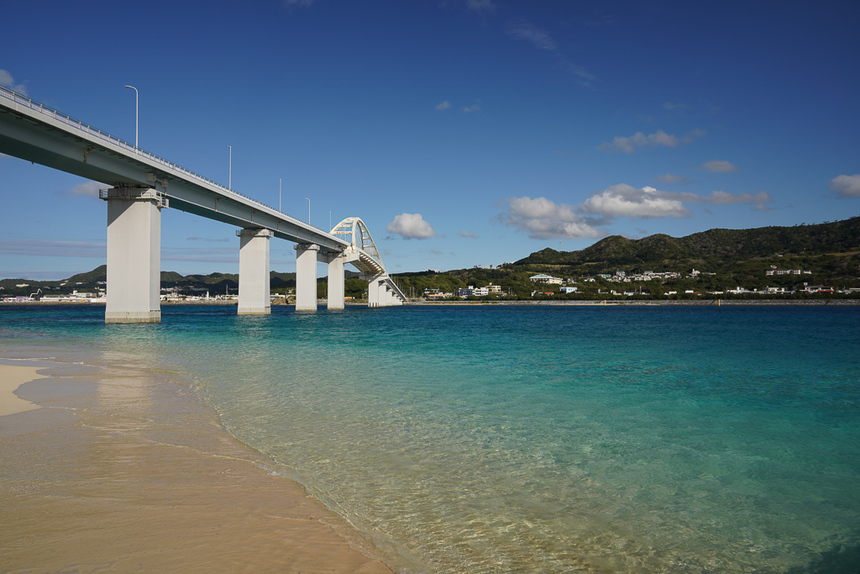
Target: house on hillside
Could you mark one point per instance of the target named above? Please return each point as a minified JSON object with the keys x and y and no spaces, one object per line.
{"x":547,"y":279}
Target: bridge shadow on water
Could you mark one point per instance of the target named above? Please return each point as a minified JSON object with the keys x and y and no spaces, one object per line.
{"x":839,"y":559}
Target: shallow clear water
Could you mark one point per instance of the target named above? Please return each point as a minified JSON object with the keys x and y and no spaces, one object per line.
{"x":551,"y":439}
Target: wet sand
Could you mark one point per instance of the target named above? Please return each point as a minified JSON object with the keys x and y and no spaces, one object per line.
{"x":122,"y":470}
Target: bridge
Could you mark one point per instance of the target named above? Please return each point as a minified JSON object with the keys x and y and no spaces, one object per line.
{"x":142,"y":184}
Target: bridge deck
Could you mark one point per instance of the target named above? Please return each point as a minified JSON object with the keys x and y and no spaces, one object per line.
{"x":34,"y":132}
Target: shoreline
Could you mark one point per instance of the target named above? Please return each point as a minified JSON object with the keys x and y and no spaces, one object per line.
{"x":562,"y":302}
{"x":657,"y":302}
{"x":115,"y":466}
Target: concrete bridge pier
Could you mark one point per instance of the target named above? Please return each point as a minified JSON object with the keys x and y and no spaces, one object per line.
{"x":133,"y":254}
{"x":389,"y":297}
{"x":376,"y":291}
{"x":306,"y":276}
{"x":336,"y":280}
{"x":254,"y":280}
{"x":381,"y":293}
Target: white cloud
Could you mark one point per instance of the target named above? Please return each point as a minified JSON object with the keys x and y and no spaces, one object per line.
{"x":443,"y":106}
{"x":585,"y":78}
{"x":7,"y":80}
{"x":208,"y":239}
{"x":54,"y":248}
{"x":476,"y":107}
{"x":411,"y":226}
{"x":657,"y":139}
{"x":86,"y":189}
{"x":725,"y":198}
{"x":638,"y":140}
{"x":622,"y":200}
{"x":468,"y":234}
{"x":672,"y":106}
{"x":541,"y":39}
{"x":694,"y":135}
{"x":846,"y":185}
{"x":720,"y":166}
{"x":671,"y":178}
{"x":542,"y":218}
{"x":481,"y":6}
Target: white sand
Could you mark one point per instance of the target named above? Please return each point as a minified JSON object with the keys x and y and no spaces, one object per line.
{"x":12,"y":377}
{"x":127,"y":474}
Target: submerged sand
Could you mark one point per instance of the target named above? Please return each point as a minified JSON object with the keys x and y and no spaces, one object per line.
{"x":116,"y":469}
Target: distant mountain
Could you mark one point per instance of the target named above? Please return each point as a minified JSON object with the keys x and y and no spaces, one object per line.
{"x":716,"y":246}
{"x":95,"y":280}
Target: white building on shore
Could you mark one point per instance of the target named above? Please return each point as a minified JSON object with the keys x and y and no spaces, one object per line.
{"x":546,"y":279}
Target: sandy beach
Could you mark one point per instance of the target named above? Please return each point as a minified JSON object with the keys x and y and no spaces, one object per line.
{"x":118,"y":469}
{"x":10,"y":379}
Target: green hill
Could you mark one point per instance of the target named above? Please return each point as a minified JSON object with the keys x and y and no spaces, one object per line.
{"x":90,"y":277}
{"x":824,"y":254}
{"x":716,"y":246}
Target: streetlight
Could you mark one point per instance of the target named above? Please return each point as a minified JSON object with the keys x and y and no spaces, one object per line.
{"x":230,"y":170}
{"x":136,"y":112}
{"x":309,"y":210}
{"x":280,"y":188}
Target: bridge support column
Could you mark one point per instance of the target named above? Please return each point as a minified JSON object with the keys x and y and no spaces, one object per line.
{"x":381,"y":292}
{"x":389,"y":296}
{"x":336,"y":282}
{"x":376,"y":291}
{"x":133,"y":254}
{"x":254,"y":280}
{"x":306,"y":276}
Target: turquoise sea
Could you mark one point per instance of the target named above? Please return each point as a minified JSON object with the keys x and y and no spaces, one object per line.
{"x":491,"y":439}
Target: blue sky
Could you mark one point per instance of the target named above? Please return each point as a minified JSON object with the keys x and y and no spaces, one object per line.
{"x":463,"y":132}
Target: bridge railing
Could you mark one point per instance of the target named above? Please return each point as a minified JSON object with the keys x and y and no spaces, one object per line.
{"x":22,"y":100}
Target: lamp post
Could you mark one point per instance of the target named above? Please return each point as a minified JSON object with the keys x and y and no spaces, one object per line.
{"x":280,"y":188}
{"x":309,"y":210}
{"x":230,"y":170}
{"x":136,"y":111}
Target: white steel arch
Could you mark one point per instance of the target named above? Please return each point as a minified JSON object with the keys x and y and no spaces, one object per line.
{"x":382,"y":291}
{"x":362,"y":251}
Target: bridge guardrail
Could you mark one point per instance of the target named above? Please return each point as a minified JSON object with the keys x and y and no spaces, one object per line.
{"x":22,"y":100}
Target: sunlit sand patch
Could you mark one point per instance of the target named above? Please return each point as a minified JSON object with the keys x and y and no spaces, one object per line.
{"x":12,"y":377}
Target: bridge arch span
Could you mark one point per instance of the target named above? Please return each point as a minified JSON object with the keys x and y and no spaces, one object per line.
{"x":364,"y":255}
{"x":362,"y":251}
